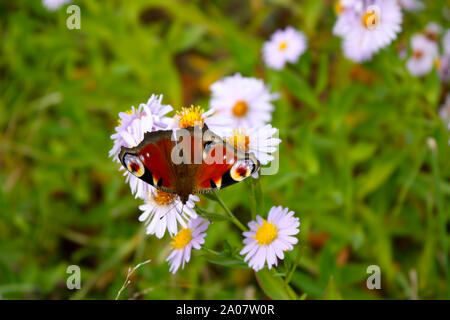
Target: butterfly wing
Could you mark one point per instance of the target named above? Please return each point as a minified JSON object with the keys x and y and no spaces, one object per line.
{"x":151,"y":161}
{"x":222,"y":165}
{"x":206,"y":162}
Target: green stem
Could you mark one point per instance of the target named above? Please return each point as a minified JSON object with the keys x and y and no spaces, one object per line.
{"x":294,"y":267}
{"x":229,"y":213}
{"x":289,"y":291}
{"x":252,"y":200}
{"x":210,"y":251}
{"x":441,"y":215}
{"x":256,"y":198}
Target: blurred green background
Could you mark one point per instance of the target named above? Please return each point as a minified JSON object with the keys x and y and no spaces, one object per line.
{"x":354,"y":166}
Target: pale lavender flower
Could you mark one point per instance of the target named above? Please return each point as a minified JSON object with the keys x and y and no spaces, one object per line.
{"x":424,"y":55}
{"x":446,"y":42}
{"x":347,"y":12}
{"x":53,"y":5}
{"x":443,"y":67}
{"x":354,"y":51}
{"x":433,"y":31}
{"x":370,"y":29}
{"x":182,"y":243}
{"x":245,"y":102}
{"x":163,"y":210}
{"x":284,"y":46}
{"x":124,"y":124}
{"x":444,"y":112}
{"x":153,"y":118}
{"x":158,"y":111}
{"x":412,"y":5}
{"x":443,"y":63}
{"x":268,"y":239}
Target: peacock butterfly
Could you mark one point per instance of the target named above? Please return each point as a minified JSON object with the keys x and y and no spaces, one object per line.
{"x":187,"y":161}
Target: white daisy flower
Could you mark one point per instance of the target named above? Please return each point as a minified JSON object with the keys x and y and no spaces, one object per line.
{"x":164,"y":210}
{"x":246,"y":102}
{"x":268,"y":239}
{"x":412,"y":5}
{"x":424,"y":54}
{"x":130,"y":132}
{"x":260,"y":141}
{"x":284,"y":46}
{"x":53,"y":5}
{"x":374,"y":28}
{"x":193,"y":236}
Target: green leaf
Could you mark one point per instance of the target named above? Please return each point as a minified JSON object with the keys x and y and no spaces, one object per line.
{"x":307,"y":284}
{"x":322,"y":78}
{"x":300,"y":89}
{"x":327,"y":265}
{"x":274,"y":286}
{"x":332,"y":292}
{"x":227,"y":249}
{"x":210,"y":196}
{"x":361,"y":152}
{"x":378,"y":174}
{"x":227,"y":261}
{"x":314,"y":9}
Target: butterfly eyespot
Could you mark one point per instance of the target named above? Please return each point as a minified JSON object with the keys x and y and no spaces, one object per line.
{"x":241,"y":169}
{"x":134,"y":165}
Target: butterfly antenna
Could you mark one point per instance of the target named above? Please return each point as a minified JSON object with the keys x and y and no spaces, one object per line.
{"x":168,"y":210}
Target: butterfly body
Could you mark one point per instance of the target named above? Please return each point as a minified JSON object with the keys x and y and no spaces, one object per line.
{"x":187,"y":161}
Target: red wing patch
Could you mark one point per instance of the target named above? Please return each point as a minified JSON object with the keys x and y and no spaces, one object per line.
{"x":217,"y":162}
{"x":156,"y":157}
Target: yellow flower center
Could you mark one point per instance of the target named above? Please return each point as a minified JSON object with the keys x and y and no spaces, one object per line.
{"x":283,"y":46}
{"x":163,"y":198}
{"x":338,"y":7}
{"x":239,"y":140}
{"x":189,"y":117}
{"x":371,"y":20}
{"x":437,"y":63}
{"x":266,"y":233}
{"x":240,"y":108}
{"x":181,"y":239}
